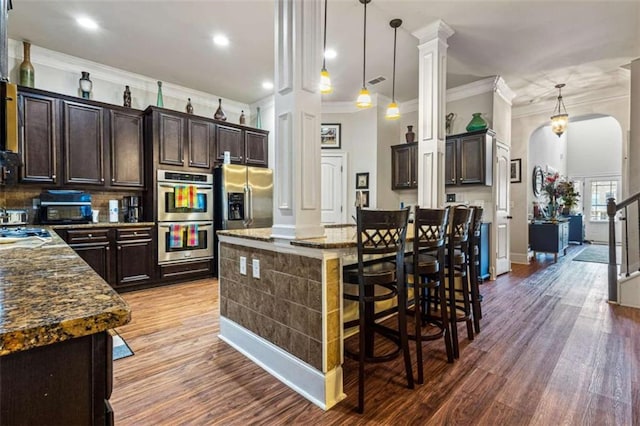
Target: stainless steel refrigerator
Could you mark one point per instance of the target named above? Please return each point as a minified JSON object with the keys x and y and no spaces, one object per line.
{"x":243,"y":198}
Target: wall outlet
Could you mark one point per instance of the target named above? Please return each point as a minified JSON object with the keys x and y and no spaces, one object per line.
{"x":451,"y":198}
{"x":243,"y":265}
{"x":256,"y":268}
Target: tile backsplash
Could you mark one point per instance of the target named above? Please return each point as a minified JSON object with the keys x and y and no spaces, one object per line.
{"x":22,"y":196}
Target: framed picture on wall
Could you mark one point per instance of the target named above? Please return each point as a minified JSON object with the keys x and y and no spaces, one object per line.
{"x":330,"y":136}
{"x":362,"y":180}
{"x":516,"y":170}
{"x":362,"y":198}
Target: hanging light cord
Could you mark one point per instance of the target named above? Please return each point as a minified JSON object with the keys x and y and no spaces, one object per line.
{"x":324,"y":50}
{"x":364,"y":48}
{"x":393,"y":89}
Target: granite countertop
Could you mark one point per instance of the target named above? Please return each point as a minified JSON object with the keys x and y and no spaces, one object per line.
{"x":49,"y":294}
{"x":335,"y":237}
{"x":101,"y":225}
{"x":259,"y":234}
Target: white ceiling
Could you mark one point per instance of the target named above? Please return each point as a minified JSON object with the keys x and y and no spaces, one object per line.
{"x":532,"y":44}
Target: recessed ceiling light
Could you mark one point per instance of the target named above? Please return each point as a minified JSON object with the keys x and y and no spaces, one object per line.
{"x":221,"y":40}
{"x":87,"y":23}
{"x":330,"y":54}
{"x":267,"y":85}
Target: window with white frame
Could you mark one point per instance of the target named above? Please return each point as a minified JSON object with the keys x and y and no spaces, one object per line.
{"x":601,"y":191}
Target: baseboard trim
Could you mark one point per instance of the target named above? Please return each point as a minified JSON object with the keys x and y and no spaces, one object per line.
{"x":324,"y":390}
{"x":520,"y":258}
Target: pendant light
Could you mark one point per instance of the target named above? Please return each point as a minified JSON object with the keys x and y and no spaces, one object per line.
{"x":560,"y":118}
{"x":364,"y":98}
{"x":325,"y":80}
{"x":393,"y":113}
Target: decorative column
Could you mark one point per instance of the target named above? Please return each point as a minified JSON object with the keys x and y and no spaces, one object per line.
{"x":431,"y":111}
{"x":298,"y":54}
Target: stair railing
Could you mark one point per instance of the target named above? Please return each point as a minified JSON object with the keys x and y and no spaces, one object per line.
{"x":612,"y":210}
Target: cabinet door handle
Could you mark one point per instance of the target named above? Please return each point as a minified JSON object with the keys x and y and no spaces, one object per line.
{"x":509,"y":217}
{"x":90,"y":235}
{"x":461,"y":179}
{"x":113,"y":179}
{"x":53,"y":176}
{"x":101,"y":179}
{"x":107,"y":248}
{"x":135,"y":233}
{"x":119,"y":248}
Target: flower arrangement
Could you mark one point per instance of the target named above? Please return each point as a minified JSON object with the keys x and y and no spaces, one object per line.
{"x":559,"y":190}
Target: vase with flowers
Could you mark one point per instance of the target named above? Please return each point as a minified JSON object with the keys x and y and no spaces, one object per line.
{"x":559,"y":192}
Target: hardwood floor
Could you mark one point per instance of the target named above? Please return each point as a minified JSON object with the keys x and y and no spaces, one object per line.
{"x":551,"y":351}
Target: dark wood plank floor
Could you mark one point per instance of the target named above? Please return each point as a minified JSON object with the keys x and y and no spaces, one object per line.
{"x":551,"y":351}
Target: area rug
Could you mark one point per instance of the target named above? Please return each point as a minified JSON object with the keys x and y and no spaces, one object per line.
{"x":596,"y":253}
{"x":120,"y":348}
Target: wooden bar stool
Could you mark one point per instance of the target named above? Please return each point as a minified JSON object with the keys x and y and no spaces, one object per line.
{"x":381,"y":234}
{"x":427,"y":266}
{"x":474,"y":267}
{"x":457,"y":267}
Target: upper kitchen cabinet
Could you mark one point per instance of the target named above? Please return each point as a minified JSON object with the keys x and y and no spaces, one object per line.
{"x":127,"y":148}
{"x":38,"y":136}
{"x":469,"y":158}
{"x":200,"y":139}
{"x":256,"y":145}
{"x":179,"y":139}
{"x":83,"y":142}
{"x":245,"y":145}
{"x":90,"y":142}
{"x":404,"y":166}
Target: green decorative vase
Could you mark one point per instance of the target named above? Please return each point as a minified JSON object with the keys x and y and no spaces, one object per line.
{"x":476,"y":123}
{"x":27,"y":73}
{"x":160,"y":100}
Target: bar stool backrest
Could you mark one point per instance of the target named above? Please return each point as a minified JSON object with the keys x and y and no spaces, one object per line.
{"x":459,"y":224}
{"x":430,"y":227}
{"x":476,"y":221}
{"x":381,"y":231}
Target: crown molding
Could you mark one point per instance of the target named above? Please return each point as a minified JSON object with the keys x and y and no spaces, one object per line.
{"x":438,"y":29}
{"x":409,"y":106}
{"x":68,"y":63}
{"x":478,"y":87}
{"x":503,"y":90}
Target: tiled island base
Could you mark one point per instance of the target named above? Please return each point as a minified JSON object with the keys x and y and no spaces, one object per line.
{"x":289,"y":319}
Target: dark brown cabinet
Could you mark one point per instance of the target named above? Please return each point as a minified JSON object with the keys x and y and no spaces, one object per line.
{"x":122,"y":256}
{"x":171,"y":139}
{"x":127,"y":149}
{"x":469,"y":158}
{"x":245,"y":146}
{"x":404,"y":166}
{"x":91,"y":143}
{"x":65,"y":383}
{"x":83,"y":139}
{"x":200,"y":142}
{"x":94,"y":247}
{"x":256,"y":148}
{"x":38,"y":115}
{"x":229,"y":139}
{"x":134,"y":254}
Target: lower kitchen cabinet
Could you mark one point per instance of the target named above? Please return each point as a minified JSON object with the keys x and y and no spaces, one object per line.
{"x":186,"y":270}
{"x":134,"y":256}
{"x":64,"y":383}
{"x":128,"y":251}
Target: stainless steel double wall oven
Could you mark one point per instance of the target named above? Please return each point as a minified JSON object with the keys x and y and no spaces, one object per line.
{"x":185,"y":226}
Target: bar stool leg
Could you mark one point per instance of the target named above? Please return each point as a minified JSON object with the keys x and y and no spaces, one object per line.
{"x":442,"y":301}
{"x":361,"y":357}
{"x":402,"y":326}
{"x":418,"y":306}
{"x":467,"y":303}
{"x":453,"y":322}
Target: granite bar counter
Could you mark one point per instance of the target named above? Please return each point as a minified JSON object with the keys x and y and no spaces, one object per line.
{"x":55,"y":352}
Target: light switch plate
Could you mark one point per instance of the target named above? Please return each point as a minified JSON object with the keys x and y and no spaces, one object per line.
{"x":256,"y":268}
{"x":243,"y":265}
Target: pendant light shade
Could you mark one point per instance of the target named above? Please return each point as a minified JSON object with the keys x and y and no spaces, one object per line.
{"x":560,"y":118}
{"x":393,"y":112}
{"x":364,"y":98}
{"x":325,"y":80}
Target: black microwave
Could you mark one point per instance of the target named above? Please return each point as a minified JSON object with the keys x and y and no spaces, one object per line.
{"x":62,"y":206}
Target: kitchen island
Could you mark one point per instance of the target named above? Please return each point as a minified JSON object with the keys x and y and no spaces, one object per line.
{"x":286,"y":313}
{"x":55,"y":351}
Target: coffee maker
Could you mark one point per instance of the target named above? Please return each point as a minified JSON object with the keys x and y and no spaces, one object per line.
{"x":132,"y":208}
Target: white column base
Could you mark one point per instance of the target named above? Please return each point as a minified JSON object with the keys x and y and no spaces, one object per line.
{"x":324,"y":390}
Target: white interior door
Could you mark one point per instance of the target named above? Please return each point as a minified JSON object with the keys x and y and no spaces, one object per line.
{"x":501,"y":217}
{"x":334,"y":188}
